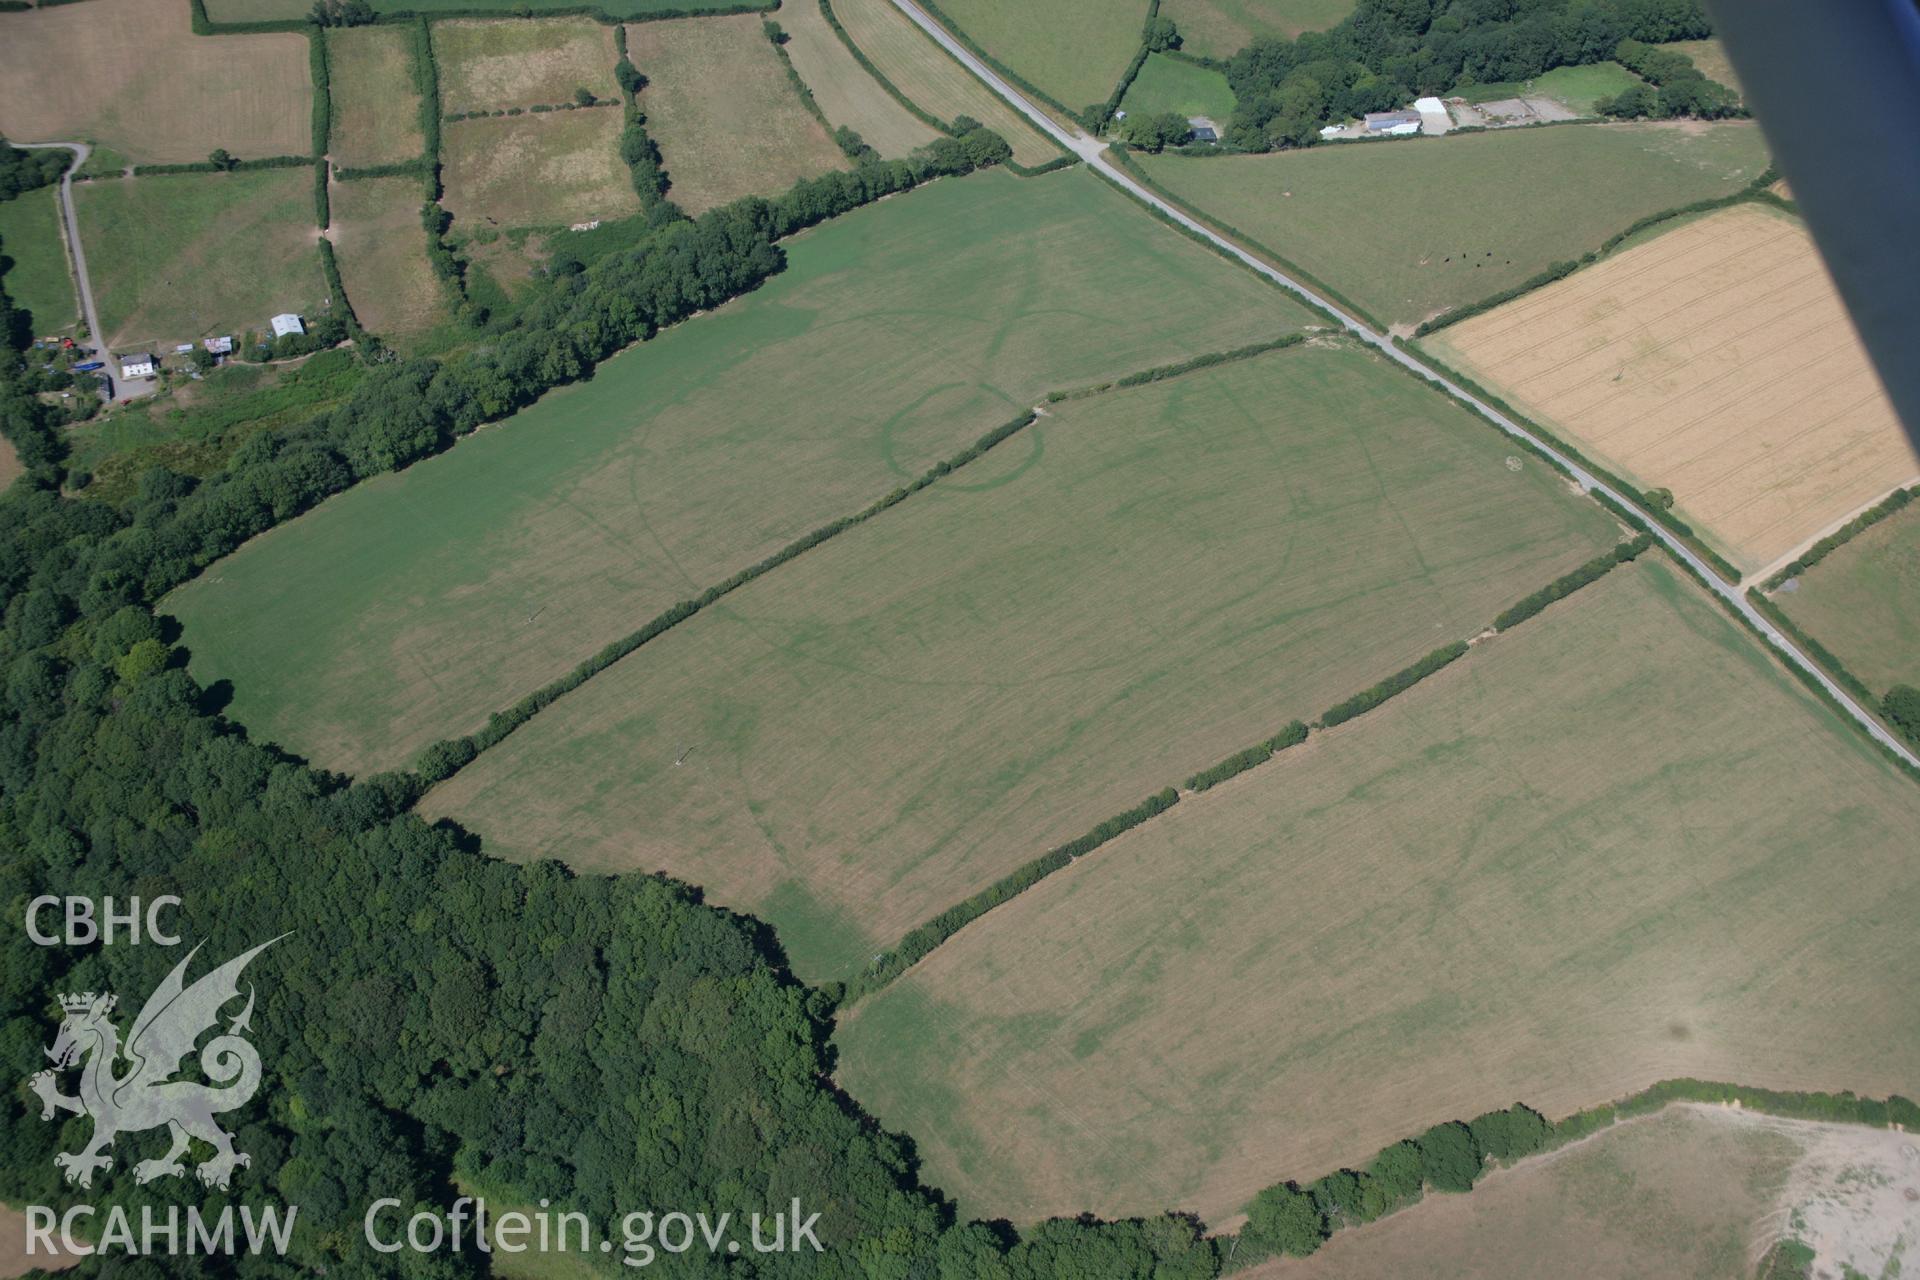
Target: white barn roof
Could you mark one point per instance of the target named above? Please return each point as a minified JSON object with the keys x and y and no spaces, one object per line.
{"x":287,"y":323}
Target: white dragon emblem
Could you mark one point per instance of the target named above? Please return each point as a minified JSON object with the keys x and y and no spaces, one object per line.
{"x":145,"y":1096}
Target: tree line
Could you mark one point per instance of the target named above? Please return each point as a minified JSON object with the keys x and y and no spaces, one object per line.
{"x":1387,"y":52}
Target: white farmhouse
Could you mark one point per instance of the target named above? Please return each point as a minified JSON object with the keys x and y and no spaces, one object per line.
{"x":138,"y":365}
{"x":287,"y":323}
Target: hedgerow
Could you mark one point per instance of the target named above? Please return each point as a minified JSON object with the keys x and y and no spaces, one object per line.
{"x":1394,"y":685}
{"x":1894,"y":502}
{"x":1241,"y":761}
{"x":916,"y":945}
{"x":1562,"y":587}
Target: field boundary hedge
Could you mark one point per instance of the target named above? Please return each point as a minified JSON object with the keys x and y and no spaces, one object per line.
{"x":1393,"y":686}
{"x":1756,"y":190}
{"x":1132,"y":72}
{"x":920,"y":942}
{"x":1124,"y":159}
{"x":1294,"y":1219}
{"x":238,"y":166}
{"x":1160,"y":373}
{"x":1562,"y":587}
{"x":442,"y":759}
{"x":331,"y":270}
{"x":1892,"y":504}
{"x":1064,"y":160}
{"x":204,"y":25}
{"x":1648,"y":509}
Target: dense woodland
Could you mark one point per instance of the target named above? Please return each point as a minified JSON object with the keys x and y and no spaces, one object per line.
{"x":1387,"y":52}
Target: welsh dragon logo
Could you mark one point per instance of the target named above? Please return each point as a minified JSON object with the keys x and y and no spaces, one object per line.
{"x":144,"y":1095}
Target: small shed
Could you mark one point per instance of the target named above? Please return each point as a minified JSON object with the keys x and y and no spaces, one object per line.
{"x":1204,"y":129}
{"x":218,"y":346}
{"x":1393,"y":122}
{"x":138,"y":365}
{"x":287,"y":323}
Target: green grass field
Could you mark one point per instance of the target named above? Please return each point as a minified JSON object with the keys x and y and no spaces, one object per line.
{"x":37,"y":279}
{"x":1410,"y":229}
{"x":410,"y":607}
{"x":1168,"y":84}
{"x":382,"y":255}
{"x":1146,"y":582}
{"x":1221,"y":28}
{"x":1711,"y":57}
{"x":1863,"y":602}
{"x":1613,"y":846}
{"x":180,"y":256}
{"x":376,"y":109}
{"x":1576,"y":87}
{"x":1074,"y":50}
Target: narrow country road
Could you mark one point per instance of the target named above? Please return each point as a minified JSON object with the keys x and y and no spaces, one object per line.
{"x":80,"y":152}
{"x":1094,"y":152}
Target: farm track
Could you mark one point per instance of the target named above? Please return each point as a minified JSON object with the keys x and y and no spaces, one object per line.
{"x":70,"y":221}
{"x":1093,"y":152}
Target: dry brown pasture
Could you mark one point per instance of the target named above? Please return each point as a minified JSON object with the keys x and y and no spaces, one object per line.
{"x":491,"y":64}
{"x":382,"y":253}
{"x":718,"y":102}
{"x":1717,"y":361}
{"x":932,"y":79}
{"x":559,"y":167}
{"x":376,"y":109}
{"x":11,"y":468}
{"x":848,"y":95}
{"x":1613,"y":846}
{"x":132,"y":76}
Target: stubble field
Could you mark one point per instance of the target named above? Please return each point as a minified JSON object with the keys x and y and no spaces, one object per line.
{"x":932,"y":80}
{"x":1074,"y":50}
{"x":176,"y":257}
{"x":847,"y":93}
{"x":1717,"y":361}
{"x":408,"y":608}
{"x":1492,"y":209}
{"x":728,"y":121}
{"x":552,"y":169}
{"x":1221,"y":28}
{"x":1142,"y":584}
{"x":376,"y":109}
{"x":1863,"y":602}
{"x":491,"y":64}
{"x":132,"y":76}
{"x":381,"y":250}
{"x":1614,"y":846}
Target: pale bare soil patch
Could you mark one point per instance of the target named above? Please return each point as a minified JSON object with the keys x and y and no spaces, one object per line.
{"x":1692,"y":1192}
{"x":1614,"y":846}
{"x":376,"y":109}
{"x":487,"y":64}
{"x":848,"y":95}
{"x":11,"y":468}
{"x":932,"y":79}
{"x":1716,"y":361}
{"x":537,"y":170}
{"x":382,"y":252}
{"x":132,"y":76}
{"x":727,"y":119}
